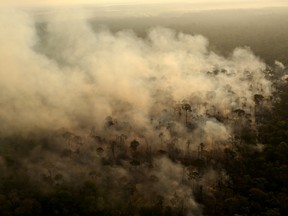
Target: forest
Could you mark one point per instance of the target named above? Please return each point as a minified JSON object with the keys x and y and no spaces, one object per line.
{"x":96,"y":122}
{"x":117,"y":175}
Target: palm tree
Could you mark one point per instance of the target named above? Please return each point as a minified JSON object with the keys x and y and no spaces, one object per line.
{"x":200,"y":150}
{"x":186,"y":107}
{"x":134,"y":144}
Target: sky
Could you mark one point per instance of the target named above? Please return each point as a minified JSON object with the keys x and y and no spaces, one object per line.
{"x":236,"y":3}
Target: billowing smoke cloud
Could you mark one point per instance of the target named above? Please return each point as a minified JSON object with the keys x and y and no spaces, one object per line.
{"x":71,"y":75}
{"x":126,"y":97}
{"x":280,"y":65}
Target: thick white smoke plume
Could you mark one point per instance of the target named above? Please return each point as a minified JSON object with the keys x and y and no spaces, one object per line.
{"x":67,"y":75}
{"x":126,"y":97}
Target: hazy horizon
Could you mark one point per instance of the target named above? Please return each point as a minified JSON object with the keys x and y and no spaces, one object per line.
{"x":261,"y":29}
{"x":189,"y":4}
{"x":214,"y":19}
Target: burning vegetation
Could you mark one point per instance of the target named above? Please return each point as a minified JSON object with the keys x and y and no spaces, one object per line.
{"x":101,"y":123}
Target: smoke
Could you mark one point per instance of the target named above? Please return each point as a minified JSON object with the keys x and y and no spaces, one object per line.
{"x":68,"y":75}
{"x":107,"y":97}
{"x":280,"y":65}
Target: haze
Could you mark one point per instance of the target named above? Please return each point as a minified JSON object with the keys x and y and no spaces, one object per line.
{"x":204,"y":4}
{"x":158,"y":108}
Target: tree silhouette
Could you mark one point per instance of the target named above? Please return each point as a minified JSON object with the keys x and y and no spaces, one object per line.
{"x":186,"y":107}
{"x":134,"y":145}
